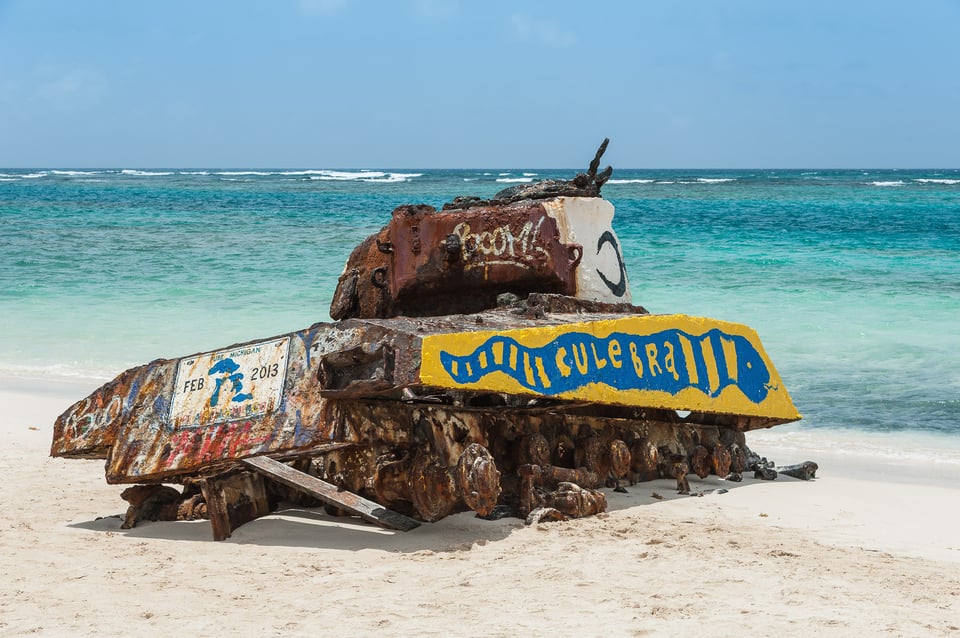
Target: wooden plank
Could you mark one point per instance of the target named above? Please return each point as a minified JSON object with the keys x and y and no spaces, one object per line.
{"x":328,"y":493}
{"x":233,"y":500}
{"x":216,"y":509}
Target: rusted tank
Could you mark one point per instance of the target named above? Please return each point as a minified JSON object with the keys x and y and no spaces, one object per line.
{"x":487,"y":357}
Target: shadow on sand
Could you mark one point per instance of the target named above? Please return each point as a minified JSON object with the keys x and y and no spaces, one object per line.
{"x":311,"y":527}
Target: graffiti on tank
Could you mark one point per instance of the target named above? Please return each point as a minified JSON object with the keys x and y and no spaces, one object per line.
{"x":668,"y":361}
{"x":620,"y":287}
{"x":502,"y":245}
{"x":90,"y":416}
{"x":229,"y":385}
{"x":222,"y":440}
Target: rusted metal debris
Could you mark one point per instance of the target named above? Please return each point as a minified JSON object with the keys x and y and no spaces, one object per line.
{"x":803,"y":471}
{"x":487,"y":358}
{"x":583,"y":185}
{"x":330,"y":494}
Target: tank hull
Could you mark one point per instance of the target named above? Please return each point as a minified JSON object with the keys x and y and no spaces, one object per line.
{"x":379,"y":404}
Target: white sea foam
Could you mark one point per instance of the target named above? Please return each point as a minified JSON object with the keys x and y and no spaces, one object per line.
{"x":715,"y":180}
{"x":9,"y":179}
{"x":194,"y":172}
{"x":502,"y":174}
{"x":346,"y":175}
{"x":393,"y":178}
{"x":905,"y":446}
{"x":75,"y":173}
{"x":311,"y":171}
{"x":529,"y":174}
{"x":362,"y":176}
{"x":136,"y":173}
{"x":631,"y":181}
{"x":469,"y":179}
{"x":949,"y":182}
{"x":511,"y":180}
{"x":888,"y":183}
{"x":74,"y":371}
{"x":322,"y":175}
{"x":34,"y":175}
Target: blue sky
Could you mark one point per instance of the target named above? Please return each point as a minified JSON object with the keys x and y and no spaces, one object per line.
{"x":462,"y":84}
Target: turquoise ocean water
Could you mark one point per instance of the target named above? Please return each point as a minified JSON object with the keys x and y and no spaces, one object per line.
{"x":851,"y":278}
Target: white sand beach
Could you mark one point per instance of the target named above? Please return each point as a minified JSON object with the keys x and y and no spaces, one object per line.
{"x":856,"y":551}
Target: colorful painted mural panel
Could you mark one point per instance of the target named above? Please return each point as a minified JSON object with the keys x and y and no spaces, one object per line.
{"x":670,"y":361}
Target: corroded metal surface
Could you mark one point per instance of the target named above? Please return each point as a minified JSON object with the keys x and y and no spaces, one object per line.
{"x":89,"y":428}
{"x":423,"y":260}
{"x":528,"y":238}
{"x":524,"y":453}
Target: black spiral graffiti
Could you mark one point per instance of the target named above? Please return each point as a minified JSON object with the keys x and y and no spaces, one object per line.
{"x":620,"y":287}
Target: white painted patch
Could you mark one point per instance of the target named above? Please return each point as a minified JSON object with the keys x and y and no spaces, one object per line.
{"x":588,"y":221}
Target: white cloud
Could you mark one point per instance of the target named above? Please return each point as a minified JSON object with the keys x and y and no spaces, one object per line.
{"x":541,"y":31}
{"x":320,"y":7}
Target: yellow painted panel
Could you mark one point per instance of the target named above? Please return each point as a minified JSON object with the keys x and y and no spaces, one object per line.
{"x":666,"y":361}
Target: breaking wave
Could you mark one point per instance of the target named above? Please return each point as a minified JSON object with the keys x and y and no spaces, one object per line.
{"x":320,"y":174}
{"x":362,"y":176}
{"x":888,"y":183}
{"x":699,"y":180}
{"x":393,"y":178}
{"x":513,"y":180}
{"x":136,"y":173}
{"x":930,"y":180}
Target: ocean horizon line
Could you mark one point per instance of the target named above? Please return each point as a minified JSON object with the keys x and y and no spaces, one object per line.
{"x":120,"y":168}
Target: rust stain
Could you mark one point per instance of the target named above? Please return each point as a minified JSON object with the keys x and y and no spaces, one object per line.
{"x":422,"y":261}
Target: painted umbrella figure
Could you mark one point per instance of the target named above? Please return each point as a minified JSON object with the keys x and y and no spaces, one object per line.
{"x":486,"y":357}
